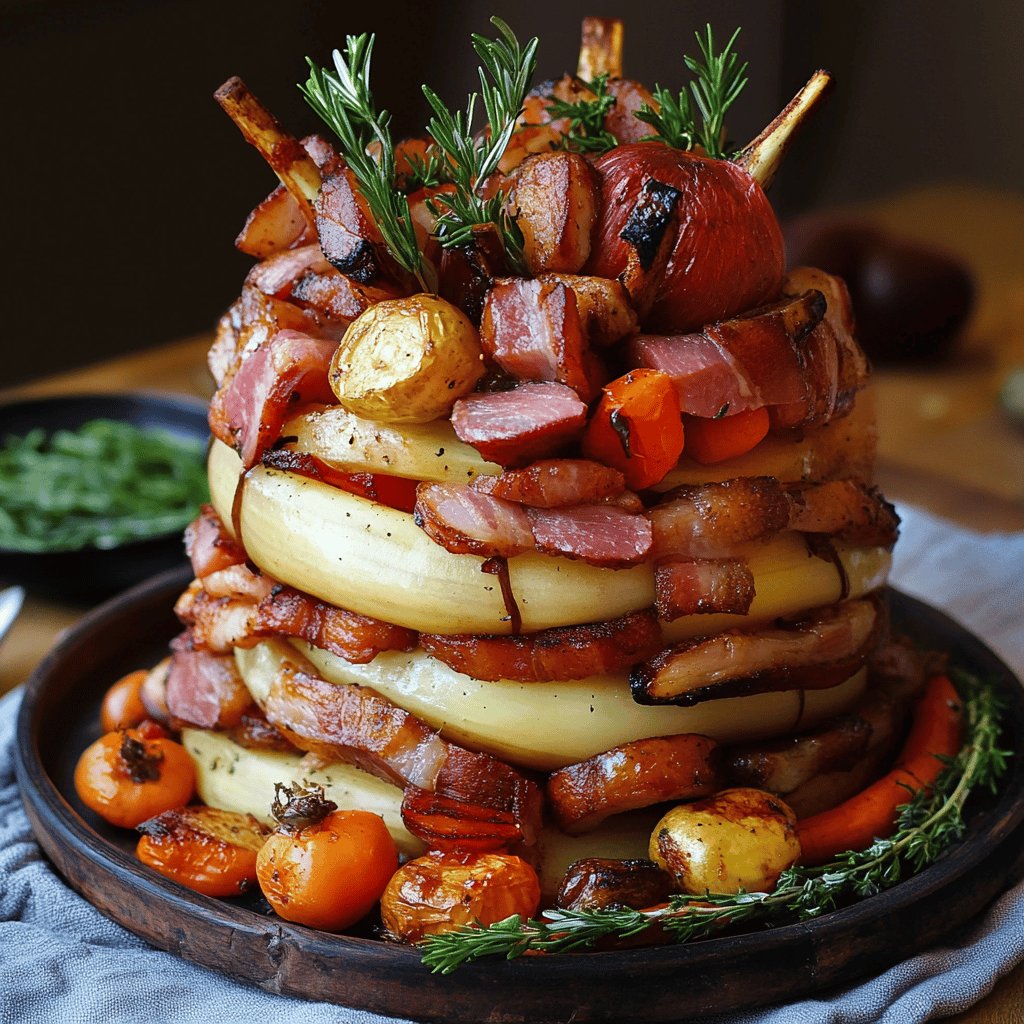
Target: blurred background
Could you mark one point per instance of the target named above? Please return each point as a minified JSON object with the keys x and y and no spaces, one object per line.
{"x":126,"y":184}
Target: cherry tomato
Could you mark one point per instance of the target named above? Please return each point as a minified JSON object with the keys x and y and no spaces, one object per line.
{"x":208,"y":850}
{"x":126,"y":778}
{"x":330,"y":874}
{"x":440,"y":892}
{"x":122,"y":706}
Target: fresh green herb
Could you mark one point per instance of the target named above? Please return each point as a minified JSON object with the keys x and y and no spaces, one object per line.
{"x":505,"y":79}
{"x":720,"y":78}
{"x":427,"y":171}
{"x":103,"y":484}
{"x":927,"y":825}
{"x":345,"y":102}
{"x":586,"y":132}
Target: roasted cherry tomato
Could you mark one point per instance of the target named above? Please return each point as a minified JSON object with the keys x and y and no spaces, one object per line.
{"x":126,"y":778}
{"x":122,"y":706}
{"x":208,"y":850}
{"x":329,"y":874}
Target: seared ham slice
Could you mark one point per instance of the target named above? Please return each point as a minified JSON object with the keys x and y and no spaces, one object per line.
{"x":603,"y":307}
{"x":533,"y":331}
{"x":709,"y":520}
{"x":208,"y":545}
{"x":356,"y":638}
{"x":554,"y":483}
{"x":633,"y":775}
{"x":206,"y":689}
{"x":249,"y":411}
{"x":466,"y":522}
{"x":565,"y":652}
{"x":338,"y":298}
{"x":599,"y":534}
{"x":277,"y":275}
{"x":819,"y":652}
{"x":513,"y":428}
{"x":355,"y":725}
{"x":700,"y":586}
{"x":349,"y":236}
{"x":276,"y":223}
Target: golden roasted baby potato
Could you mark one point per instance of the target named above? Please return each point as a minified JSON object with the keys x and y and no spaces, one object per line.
{"x":437,"y":893}
{"x":406,"y":360}
{"x":737,"y":839}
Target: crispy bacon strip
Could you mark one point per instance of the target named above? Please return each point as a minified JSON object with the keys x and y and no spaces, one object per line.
{"x":700,"y":586}
{"x":249,"y":410}
{"x":456,"y":825}
{"x":821,"y":651}
{"x":209,"y":546}
{"x":636,"y":774}
{"x":356,"y":725}
{"x":356,"y":638}
{"x":277,"y":275}
{"x":338,"y":298}
{"x":554,"y":483}
{"x":466,"y":522}
{"x":205,"y":689}
{"x":349,"y":236}
{"x":516,"y":427}
{"x":217,"y":624}
{"x":844,"y":508}
{"x":565,"y":652}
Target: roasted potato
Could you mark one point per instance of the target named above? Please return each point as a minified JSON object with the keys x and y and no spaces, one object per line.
{"x":406,"y":360}
{"x":739,"y":839}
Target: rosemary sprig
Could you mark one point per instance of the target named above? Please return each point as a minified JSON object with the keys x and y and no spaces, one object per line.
{"x":505,"y":79}
{"x":426,"y":171}
{"x":586,"y":132}
{"x":345,"y":102}
{"x":719,"y":79}
{"x":927,"y":825}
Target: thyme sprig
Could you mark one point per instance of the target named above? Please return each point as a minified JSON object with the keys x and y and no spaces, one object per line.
{"x":505,"y":77}
{"x":718,"y":81}
{"x":586,"y":132}
{"x":344,"y":100}
{"x":930,"y":821}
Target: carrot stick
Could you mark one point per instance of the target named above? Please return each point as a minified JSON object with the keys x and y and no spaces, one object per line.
{"x":714,"y":440}
{"x":637,"y":427}
{"x":936,"y":732}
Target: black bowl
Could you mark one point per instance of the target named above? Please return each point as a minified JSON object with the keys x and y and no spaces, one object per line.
{"x":87,"y":574}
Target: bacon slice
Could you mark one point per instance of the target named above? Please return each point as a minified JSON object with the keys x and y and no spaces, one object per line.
{"x":633,"y":775}
{"x":277,"y":275}
{"x":532,"y":330}
{"x":598,"y":883}
{"x":554,"y":483}
{"x":355,"y":725}
{"x":456,"y":825}
{"x":249,"y":411}
{"x":565,"y":652}
{"x":338,"y":298}
{"x":466,"y":522}
{"x":819,"y":652}
{"x":238,"y":582}
{"x":209,"y":546}
{"x":276,"y":223}
{"x":349,"y":236}
{"x":555,"y":198}
{"x":356,"y":638}
{"x":516,"y":427}
{"x":599,"y":534}
{"x":700,"y":586}
{"x":844,"y":508}
{"x":205,"y":689}
{"x":217,"y":624}
{"x":709,"y":520}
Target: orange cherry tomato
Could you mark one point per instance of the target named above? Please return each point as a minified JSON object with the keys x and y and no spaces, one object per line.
{"x":330,"y":874}
{"x":208,"y":850}
{"x":126,"y":778}
{"x":122,"y":706}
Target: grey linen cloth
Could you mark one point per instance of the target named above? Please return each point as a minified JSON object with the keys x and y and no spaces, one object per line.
{"x":61,"y":960}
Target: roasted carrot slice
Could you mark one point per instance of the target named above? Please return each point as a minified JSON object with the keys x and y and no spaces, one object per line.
{"x":714,"y":440}
{"x":637,"y":427}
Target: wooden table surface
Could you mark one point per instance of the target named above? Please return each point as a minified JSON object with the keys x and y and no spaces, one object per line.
{"x":944,"y":445}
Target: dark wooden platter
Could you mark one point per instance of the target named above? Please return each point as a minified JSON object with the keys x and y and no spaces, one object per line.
{"x":242,"y":939}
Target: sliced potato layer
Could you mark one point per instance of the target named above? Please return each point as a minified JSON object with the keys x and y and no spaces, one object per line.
{"x":545,"y":725}
{"x":372,"y":559}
